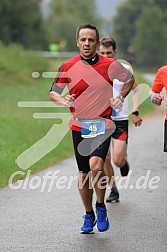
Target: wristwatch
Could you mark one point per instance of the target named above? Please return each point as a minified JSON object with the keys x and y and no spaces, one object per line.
{"x":121,"y":98}
{"x":136,"y":113}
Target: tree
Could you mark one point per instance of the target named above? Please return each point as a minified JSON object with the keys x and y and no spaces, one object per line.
{"x":65,"y":16}
{"x":124,"y":21}
{"x":151,"y":36}
{"x":127,"y":15}
{"x":21,"y":22}
{"x":125,"y":28}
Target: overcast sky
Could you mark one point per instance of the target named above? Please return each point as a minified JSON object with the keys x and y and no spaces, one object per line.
{"x":105,"y":8}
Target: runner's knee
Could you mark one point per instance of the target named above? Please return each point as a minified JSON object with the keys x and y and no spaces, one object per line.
{"x":96,"y":165}
{"x":119,"y":161}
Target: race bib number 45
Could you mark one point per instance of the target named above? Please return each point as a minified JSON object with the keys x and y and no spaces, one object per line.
{"x":92,"y":128}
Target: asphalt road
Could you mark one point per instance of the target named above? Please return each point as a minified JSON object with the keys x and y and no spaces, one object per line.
{"x":35,"y":221}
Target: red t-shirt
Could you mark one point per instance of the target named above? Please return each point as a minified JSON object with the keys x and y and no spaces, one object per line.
{"x":92,"y":86}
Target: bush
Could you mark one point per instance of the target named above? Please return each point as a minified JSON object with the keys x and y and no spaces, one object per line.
{"x":18,"y":64}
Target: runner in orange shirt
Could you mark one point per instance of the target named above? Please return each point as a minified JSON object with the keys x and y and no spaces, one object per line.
{"x":159,"y":83}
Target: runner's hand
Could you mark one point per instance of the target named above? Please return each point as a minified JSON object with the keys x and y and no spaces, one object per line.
{"x":158,"y":99}
{"x":137,"y":121}
{"x":69,"y":100}
{"x":117,"y":104}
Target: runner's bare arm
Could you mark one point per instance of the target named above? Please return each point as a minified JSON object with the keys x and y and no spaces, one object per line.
{"x":67,"y":100}
{"x":127,"y":87}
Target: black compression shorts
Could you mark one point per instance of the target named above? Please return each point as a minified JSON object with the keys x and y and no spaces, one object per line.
{"x":85,"y":148}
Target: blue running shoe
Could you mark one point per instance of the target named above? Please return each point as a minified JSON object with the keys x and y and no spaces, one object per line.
{"x":102,"y":219}
{"x":89,"y":223}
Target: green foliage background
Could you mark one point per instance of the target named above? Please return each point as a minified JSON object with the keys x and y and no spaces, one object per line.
{"x":22,"y":22}
{"x":143,"y":24}
{"x":65,"y":16}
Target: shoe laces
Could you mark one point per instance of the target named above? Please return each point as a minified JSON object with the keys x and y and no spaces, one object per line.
{"x":88,"y":219}
{"x":101,"y":211}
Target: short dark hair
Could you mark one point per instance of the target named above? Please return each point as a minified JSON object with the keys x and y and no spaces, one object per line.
{"x":107,"y":42}
{"x":87,"y":26}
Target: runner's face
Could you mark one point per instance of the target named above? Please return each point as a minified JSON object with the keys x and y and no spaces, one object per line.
{"x":107,"y":52}
{"x":87,"y":43}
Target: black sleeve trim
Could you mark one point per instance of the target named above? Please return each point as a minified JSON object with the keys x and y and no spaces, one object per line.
{"x":55,"y":88}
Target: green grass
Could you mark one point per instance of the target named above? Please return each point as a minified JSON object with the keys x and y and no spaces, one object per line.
{"x":19,"y":130}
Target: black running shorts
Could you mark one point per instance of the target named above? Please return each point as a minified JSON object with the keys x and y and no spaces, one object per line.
{"x":85,"y":148}
{"x":121,"y":131}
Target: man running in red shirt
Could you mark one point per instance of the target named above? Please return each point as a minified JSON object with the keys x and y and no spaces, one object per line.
{"x":89,"y":78}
